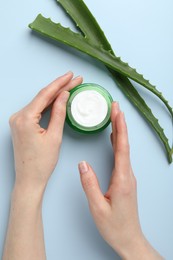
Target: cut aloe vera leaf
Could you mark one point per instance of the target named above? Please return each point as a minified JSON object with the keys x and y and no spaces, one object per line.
{"x":59,"y":33}
{"x":91,"y":30}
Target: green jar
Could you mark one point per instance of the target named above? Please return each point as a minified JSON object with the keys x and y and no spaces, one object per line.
{"x":89,"y":108}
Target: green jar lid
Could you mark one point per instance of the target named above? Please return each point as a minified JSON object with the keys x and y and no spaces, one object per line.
{"x":89,"y":108}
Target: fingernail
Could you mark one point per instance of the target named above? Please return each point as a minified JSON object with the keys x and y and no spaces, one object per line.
{"x":65,"y":96}
{"x":78,"y":77}
{"x":116,"y":105}
{"x":83,"y":167}
{"x":67,"y":73}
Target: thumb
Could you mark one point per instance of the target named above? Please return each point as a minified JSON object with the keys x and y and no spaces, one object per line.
{"x":90,"y":185}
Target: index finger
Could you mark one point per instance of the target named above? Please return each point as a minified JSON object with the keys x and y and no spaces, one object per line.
{"x":46,"y":96}
{"x":120,"y":142}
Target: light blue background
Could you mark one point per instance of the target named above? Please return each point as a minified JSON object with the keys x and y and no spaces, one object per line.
{"x":141,"y":33}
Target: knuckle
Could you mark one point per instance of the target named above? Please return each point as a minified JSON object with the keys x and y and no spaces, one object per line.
{"x":27,"y":116}
{"x":42,"y":91}
{"x":45,"y":92}
{"x":60,"y":115}
{"x":99,"y":210}
{"x":124,"y":186}
{"x":20,"y":121}
{"x":60,"y":112}
{"x":124,"y":148}
{"x":126,"y":190}
{"x":12,"y":119}
{"x":134,"y":182}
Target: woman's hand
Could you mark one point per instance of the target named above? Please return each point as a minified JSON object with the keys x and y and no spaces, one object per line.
{"x":116,"y":213}
{"x":36,"y":153}
{"x":36,"y":149}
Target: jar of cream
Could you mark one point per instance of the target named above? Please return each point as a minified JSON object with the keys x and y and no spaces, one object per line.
{"x":89,"y":108}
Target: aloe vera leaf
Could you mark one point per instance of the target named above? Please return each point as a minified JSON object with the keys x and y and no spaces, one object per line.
{"x":50,"y":29}
{"x":85,"y":21}
{"x":91,"y":29}
{"x":128,"y":89}
{"x":59,"y":33}
{"x":133,"y":95}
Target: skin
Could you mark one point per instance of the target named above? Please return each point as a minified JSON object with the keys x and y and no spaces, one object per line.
{"x":115,"y":213}
{"x":34,"y":165}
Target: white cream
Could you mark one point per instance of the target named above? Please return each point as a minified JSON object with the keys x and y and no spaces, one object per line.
{"x":89,"y":108}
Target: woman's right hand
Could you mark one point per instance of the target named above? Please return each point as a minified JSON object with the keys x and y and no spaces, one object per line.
{"x":116,"y":212}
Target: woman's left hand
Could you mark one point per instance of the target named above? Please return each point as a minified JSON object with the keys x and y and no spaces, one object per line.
{"x":36,"y":149}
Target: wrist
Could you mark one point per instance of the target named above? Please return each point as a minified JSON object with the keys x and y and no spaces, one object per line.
{"x":27,"y":194}
{"x":139,"y":248}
